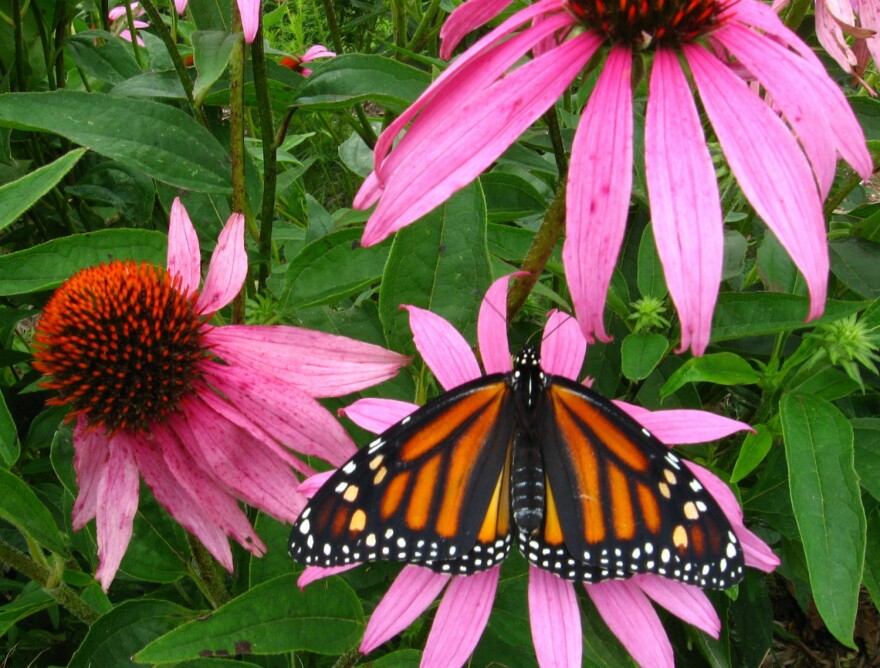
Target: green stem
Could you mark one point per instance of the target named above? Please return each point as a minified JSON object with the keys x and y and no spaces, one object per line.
{"x":270,"y":171}
{"x":841,"y":194}
{"x":398,"y":24}
{"x":236,"y":139}
{"x":424,"y":26}
{"x":17,"y":38}
{"x":552,"y":120}
{"x":48,"y":579}
{"x":105,"y":14}
{"x":210,"y":575}
{"x":132,"y":31}
{"x":545,"y":241}
{"x":60,"y":37}
{"x":351,"y":658}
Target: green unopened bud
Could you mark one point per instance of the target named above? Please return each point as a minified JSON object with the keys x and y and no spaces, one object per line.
{"x":648,"y":314}
{"x":846,"y":343}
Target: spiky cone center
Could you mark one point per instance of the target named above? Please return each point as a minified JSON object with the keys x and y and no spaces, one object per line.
{"x":121,"y":343}
{"x":641,"y":23}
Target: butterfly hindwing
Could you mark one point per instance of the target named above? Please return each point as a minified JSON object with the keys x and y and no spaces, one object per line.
{"x":432,"y":489}
{"x":619,"y":502}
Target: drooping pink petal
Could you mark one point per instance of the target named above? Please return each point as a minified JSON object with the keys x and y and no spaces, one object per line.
{"x":249,"y":10}
{"x":322,"y":365}
{"x":412,"y":591}
{"x":184,"y":259}
{"x":683,"y":426}
{"x":830,"y":33}
{"x":757,"y":553}
{"x":126,"y":35}
{"x":205,"y":492}
{"x":685,"y":206}
{"x":770,"y":167}
{"x":283,"y":411}
{"x":182,"y":507}
{"x":468,"y":16}
{"x":310,"y":486}
{"x":314,"y":573}
{"x":485,"y":126}
{"x":563,"y":346}
{"x":683,"y":600}
{"x":90,"y":451}
{"x":117,"y":502}
{"x":315,"y":52}
{"x":460,"y":619}
{"x":444,"y":350}
{"x":630,"y":616}
{"x":599,"y":186}
{"x":869,"y":17}
{"x":555,"y":619}
{"x":180,"y":5}
{"x":228,"y":267}
{"x":376,"y":415}
{"x":492,"y":327}
{"x":259,"y":478}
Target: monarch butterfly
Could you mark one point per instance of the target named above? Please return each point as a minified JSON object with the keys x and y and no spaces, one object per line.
{"x":589,"y":493}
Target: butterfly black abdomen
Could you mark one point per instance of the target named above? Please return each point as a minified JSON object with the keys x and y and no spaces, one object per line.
{"x":527,"y":469}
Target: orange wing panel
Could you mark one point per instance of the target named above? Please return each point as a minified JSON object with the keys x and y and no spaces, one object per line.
{"x":621,"y":504}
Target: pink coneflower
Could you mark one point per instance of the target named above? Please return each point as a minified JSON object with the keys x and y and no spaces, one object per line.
{"x":296,"y":63}
{"x":119,"y":21}
{"x":205,"y":414}
{"x":782,"y":153}
{"x":555,"y":618}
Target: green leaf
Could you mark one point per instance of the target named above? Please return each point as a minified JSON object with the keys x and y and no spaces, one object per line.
{"x":829,"y":384}
{"x":332,"y":268}
{"x":512,"y":244}
{"x":211,"y":49}
{"x":440,"y":263}
{"x":276,"y":616}
{"x":210,"y":14}
{"x":854,"y":261}
{"x":102,"y":56}
{"x":351,"y":78}
{"x":740,"y":314}
{"x":866,"y":434}
{"x":867,"y":110}
{"x":872,"y":557}
{"x":275,"y":535}
{"x":46,"y":266}
{"x":9,"y":447}
{"x":735,"y":246}
{"x":650,"y":277}
{"x":161,"y":84}
{"x":19,"y":196}
{"x":404,"y":658}
{"x":160,"y":140}
{"x":721,"y":368}
{"x":21,"y":507}
{"x":754,"y":448}
{"x":510,"y":197}
{"x":827,"y":506}
{"x":641,"y":352}
{"x":30,"y":601}
{"x":117,"y":635}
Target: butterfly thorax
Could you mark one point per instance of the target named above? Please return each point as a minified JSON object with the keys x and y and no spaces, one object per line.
{"x":527,"y":467}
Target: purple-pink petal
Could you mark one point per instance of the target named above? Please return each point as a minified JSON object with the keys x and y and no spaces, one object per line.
{"x":444,"y":350}
{"x":117,"y":504}
{"x":412,"y":591}
{"x":685,"y":206}
{"x":769,"y":165}
{"x":316,"y":51}
{"x":376,"y":415}
{"x":468,"y":16}
{"x":492,"y":327}
{"x":180,"y":5}
{"x":228,"y":267}
{"x":555,"y":619}
{"x":683,"y":426}
{"x":184,"y":259}
{"x":685,"y":601}
{"x":460,"y":619}
{"x":599,"y":186}
{"x":631,"y":617}
{"x":322,"y":365}
{"x":90,"y":451}
{"x":310,"y":486}
{"x":563,"y":346}
{"x":314,"y":573}
{"x":249,"y":10}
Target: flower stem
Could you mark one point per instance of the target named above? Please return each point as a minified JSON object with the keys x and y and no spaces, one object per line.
{"x":841,"y":194}
{"x":236,"y":139}
{"x":552,"y":120}
{"x":132,"y":32}
{"x":211,"y":577}
{"x":548,"y":235}
{"x":49,"y":580}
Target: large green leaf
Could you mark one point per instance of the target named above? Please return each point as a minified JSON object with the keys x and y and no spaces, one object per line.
{"x":510,"y":197}
{"x":827,"y":505}
{"x":211,"y":50}
{"x":854,"y":261}
{"x":351,"y":78}
{"x":46,"y":266}
{"x":650,"y":278}
{"x":9,"y":447}
{"x":19,"y":196}
{"x":721,"y":368}
{"x":641,"y":352}
{"x":866,"y":432}
{"x":159,"y":140}
{"x":21,"y":507}
{"x":440,"y":263}
{"x":102,"y":56}
{"x":31,"y":600}
{"x":276,"y":616}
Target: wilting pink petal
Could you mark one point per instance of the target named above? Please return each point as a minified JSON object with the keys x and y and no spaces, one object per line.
{"x":830,"y":33}
{"x":492,"y":327}
{"x":314,"y":573}
{"x":761,"y":150}
{"x":466,"y":17}
{"x":412,"y":591}
{"x":563,"y":347}
{"x":89,"y":460}
{"x":685,"y":601}
{"x":117,"y":502}
{"x":249,"y":10}
{"x":460,"y":619}
{"x":630,"y":616}
{"x":555,"y":619}
{"x":322,"y":365}
{"x":685,"y":208}
{"x":228,"y":267}
{"x":184,"y":259}
{"x":683,"y":426}
{"x":869,"y":17}
{"x":444,"y":350}
{"x":599,"y":186}
{"x":376,"y":415}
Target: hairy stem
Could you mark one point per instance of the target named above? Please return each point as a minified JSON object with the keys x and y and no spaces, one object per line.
{"x":210,"y":574}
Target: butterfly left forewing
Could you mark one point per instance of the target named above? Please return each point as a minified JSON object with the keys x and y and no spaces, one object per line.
{"x":619,"y":502}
